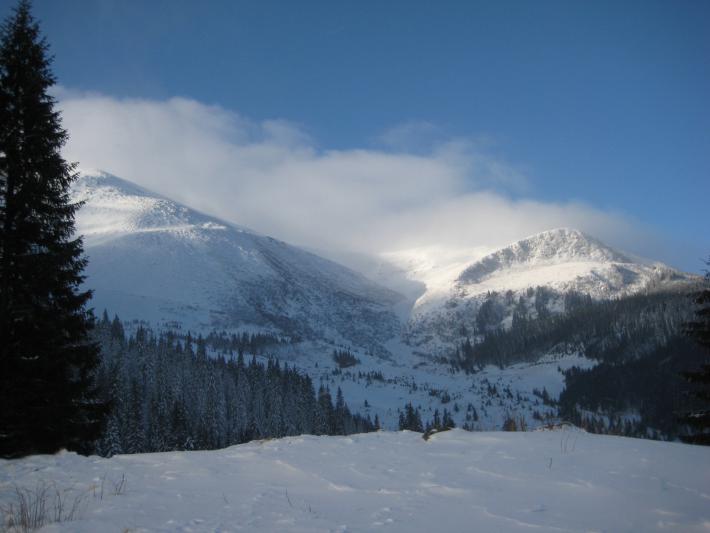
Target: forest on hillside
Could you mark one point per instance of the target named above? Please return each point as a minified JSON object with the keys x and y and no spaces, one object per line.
{"x":167,"y":393}
{"x":639,"y":342}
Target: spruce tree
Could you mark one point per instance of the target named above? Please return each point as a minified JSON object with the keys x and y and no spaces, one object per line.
{"x":699,"y":329}
{"x":47,"y":400}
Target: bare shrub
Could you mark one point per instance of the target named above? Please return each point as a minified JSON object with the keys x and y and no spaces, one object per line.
{"x":515,"y":423}
{"x":31,"y":509}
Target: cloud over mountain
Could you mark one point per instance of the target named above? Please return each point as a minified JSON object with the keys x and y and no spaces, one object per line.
{"x":273,"y":177}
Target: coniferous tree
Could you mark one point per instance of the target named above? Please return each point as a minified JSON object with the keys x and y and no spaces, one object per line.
{"x":699,"y":419}
{"x":167,"y":397}
{"x":47,"y":400}
{"x":410,"y":419}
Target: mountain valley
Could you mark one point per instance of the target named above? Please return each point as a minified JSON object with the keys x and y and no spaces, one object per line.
{"x":450,"y":341}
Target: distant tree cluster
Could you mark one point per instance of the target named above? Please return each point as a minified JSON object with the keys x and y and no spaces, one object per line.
{"x":254,"y":343}
{"x":643,"y":353}
{"x":490,"y":314}
{"x":650,"y":370}
{"x":410,"y":419}
{"x":606,"y":330}
{"x":345,"y":359}
{"x":167,"y":394}
{"x":651,"y":388}
{"x":440,"y":422}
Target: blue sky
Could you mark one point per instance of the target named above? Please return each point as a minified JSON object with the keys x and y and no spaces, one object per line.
{"x":604,"y":104}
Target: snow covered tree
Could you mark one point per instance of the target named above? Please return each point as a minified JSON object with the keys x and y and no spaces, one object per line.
{"x":167,"y":396}
{"x":47,"y":397}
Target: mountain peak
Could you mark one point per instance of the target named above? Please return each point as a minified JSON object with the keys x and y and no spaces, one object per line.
{"x":552,"y":247}
{"x":90,"y":180}
{"x":114,"y":206}
{"x":152,"y":258}
{"x":561,"y":233}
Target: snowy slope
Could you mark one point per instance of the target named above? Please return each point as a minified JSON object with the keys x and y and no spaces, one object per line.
{"x":434,"y":267}
{"x":480,"y":401}
{"x":562,"y":259}
{"x":563,"y":480}
{"x":153,"y":259}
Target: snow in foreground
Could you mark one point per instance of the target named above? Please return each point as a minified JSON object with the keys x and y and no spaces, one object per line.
{"x":563,"y":480}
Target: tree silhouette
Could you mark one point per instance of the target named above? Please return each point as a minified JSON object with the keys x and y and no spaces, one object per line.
{"x":47,"y":401}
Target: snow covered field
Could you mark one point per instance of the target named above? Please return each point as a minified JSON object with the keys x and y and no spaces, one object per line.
{"x":563,"y":480}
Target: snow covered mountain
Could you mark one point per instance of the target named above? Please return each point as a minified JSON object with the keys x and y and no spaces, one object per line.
{"x":151,"y":258}
{"x":560,"y":261}
{"x":156,"y":260}
{"x":563,"y":259}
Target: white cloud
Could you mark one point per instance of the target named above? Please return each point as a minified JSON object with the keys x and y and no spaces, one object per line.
{"x":271,"y":176}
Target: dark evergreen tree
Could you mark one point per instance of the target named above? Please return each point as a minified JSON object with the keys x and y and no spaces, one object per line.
{"x":699,"y":329}
{"x":440,"y":422}
{"x":411,"y":419}
{"x":47,"y":399}
{"x":341,"y":412}
{"x":447,"y":420}
{"x":435,"y":422}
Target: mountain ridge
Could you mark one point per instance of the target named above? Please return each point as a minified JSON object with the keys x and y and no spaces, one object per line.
{"x":154,"y":259}
{"x":559,"y":245}
{"x":560,"y":261}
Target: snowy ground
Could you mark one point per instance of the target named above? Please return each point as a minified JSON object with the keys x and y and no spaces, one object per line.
{"x":408,"y":379}
{"x":563,"y":480}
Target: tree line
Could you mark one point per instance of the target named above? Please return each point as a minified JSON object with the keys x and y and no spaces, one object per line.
{"x":604,"y":330}
{"x":167,"y":393}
